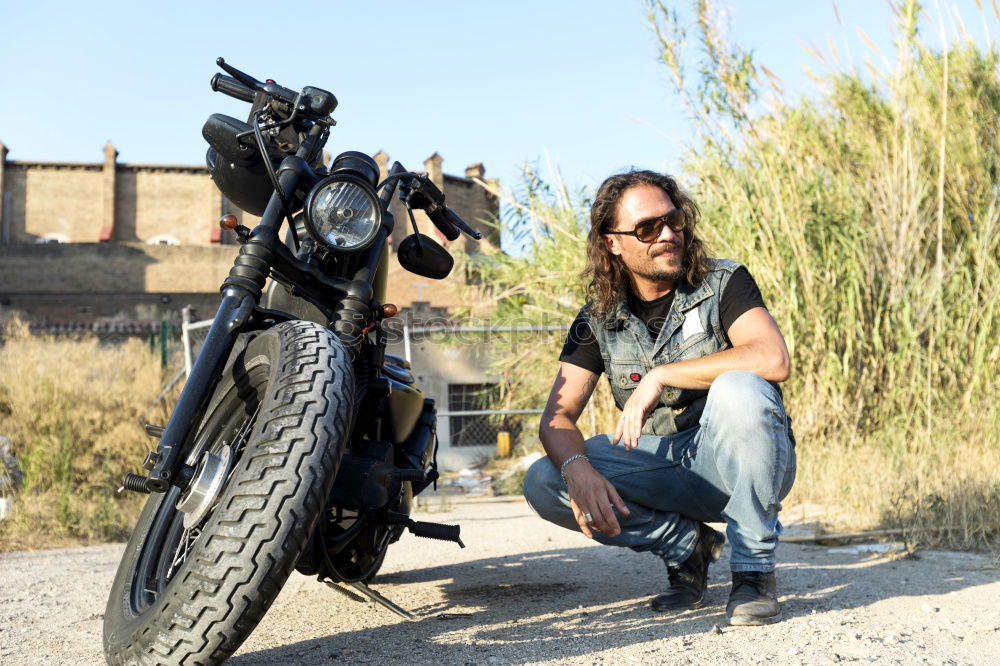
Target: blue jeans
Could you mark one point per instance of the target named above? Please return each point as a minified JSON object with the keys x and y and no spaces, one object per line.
{"x":735,"y":466}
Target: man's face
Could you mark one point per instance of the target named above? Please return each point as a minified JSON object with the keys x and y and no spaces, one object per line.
{"x":660,"y":260}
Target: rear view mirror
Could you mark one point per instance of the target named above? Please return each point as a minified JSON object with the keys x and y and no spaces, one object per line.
{"x":423,"y":255}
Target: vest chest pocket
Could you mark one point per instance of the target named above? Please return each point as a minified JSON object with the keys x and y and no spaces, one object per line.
{"x":624,"y":377}
{"x":698,"y":345}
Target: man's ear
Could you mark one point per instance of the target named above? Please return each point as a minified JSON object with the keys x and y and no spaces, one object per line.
{"x":611,"y":243}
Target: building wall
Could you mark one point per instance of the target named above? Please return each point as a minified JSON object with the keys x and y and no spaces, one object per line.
{"x":104,"y":268}
{"x":436,"y":365}
{"x":475,"y":205}
{"x":154,"y":202}
{"x":57,"y":282}
{"x":47,"y":199}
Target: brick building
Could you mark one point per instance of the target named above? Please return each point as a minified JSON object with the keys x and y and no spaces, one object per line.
{"x":113,"y":246}
{"x":93,"y":242}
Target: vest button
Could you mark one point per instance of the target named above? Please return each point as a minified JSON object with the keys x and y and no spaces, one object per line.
{"x":623,"y":381}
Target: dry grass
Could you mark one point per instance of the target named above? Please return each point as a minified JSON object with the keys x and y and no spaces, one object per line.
{"x":870,"y":217}
{"x":73,"y":410}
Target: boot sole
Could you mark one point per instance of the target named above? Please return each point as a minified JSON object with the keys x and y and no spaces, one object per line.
{"x":679,"y":608}
{"x":752,"y":621}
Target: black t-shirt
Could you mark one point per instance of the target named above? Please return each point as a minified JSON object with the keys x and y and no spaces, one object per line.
{"x":741,"y":294}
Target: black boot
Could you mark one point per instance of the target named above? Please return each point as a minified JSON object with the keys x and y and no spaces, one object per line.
{"x":689,"y":579}
{"x":753,"y":599}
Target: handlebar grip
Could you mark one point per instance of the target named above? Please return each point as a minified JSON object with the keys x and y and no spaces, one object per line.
{"x":439,"y":216}
{"x":230,"y":86}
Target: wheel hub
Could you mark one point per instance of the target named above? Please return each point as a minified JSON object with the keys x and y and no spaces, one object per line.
{"x":201,"y":493}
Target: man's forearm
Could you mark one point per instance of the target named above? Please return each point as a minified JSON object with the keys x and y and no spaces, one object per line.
{"x":560,"y":438}
{"x":762,"y":360}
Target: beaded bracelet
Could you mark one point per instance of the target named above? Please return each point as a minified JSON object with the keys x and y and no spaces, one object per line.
{"x":562,"y":469}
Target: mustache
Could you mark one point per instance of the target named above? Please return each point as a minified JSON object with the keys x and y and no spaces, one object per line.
{"x":669,"y":245}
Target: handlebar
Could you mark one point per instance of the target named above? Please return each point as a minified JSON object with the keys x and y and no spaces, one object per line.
{"x":242,"y":86}
{"x":314,"y":103}
{"x":420,"y":193}
{"x":450,"y":224}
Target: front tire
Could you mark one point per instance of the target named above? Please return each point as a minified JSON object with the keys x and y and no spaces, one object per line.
{"x":193,"y":595}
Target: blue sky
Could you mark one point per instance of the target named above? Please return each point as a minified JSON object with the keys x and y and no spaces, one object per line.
{"x":498,"y":83}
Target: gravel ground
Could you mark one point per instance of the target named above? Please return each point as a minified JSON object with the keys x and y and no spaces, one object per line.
{"x":524,"y":591}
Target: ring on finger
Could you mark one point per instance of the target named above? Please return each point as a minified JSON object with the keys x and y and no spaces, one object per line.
{"x":588,"y":518}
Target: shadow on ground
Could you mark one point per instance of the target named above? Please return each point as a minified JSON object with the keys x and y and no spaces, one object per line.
{"x":572,"y":602}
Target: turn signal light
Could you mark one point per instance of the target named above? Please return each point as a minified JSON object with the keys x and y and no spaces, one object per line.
{"x":389,"y":310}
{"x":229,"y":221}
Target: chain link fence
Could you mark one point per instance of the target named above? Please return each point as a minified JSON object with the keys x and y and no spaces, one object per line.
{"x":163,"y":336}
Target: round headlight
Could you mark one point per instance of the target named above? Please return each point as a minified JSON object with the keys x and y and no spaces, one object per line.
{"x":342,"y":213}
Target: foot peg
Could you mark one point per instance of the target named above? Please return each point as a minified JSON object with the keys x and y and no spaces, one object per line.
{"x":426,"y":530}
{"x":435,"y":531}
{"x":134,"y":482}
{"x":154,"y":430}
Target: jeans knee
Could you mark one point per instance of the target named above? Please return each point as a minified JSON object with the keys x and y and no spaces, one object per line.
{"x":740,"y":389}
{"x":541,"y":485}
{"x":742,"y":398}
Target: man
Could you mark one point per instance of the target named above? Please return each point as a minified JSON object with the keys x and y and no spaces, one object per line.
{"x":693,"y":358}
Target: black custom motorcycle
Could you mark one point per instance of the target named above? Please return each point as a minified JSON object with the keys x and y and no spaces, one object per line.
{"x":297,"y":441}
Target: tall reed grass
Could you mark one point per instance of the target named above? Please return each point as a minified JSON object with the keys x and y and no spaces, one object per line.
{"x":73,"y":410}
{"x":870,"y":217}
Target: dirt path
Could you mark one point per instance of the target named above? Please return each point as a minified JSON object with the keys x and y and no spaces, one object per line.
{"x":527,"y":592}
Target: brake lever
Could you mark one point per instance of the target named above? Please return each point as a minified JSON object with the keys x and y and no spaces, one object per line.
{"x":421,"y":193}
{"x":242,"y":77}
{"x":462,"y":225}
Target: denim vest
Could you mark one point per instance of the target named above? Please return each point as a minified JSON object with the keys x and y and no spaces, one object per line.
{"x":692,"y":329}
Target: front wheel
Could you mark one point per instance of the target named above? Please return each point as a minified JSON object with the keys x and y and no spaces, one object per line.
{"x":193,"y":584}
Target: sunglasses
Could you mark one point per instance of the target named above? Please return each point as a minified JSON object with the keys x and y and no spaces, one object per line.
{"x":648,"y":231}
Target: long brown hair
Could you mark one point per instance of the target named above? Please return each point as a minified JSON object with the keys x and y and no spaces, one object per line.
{"x":608,"y":275}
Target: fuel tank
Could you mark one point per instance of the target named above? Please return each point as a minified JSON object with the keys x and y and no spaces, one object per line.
{"x":405,"y":406}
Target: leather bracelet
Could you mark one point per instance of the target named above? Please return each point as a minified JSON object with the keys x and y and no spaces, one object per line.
{"x":562,"y":468}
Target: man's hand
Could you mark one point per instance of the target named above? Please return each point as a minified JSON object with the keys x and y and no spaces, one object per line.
{"x":591,"y":493}
{"x":642,"y":401}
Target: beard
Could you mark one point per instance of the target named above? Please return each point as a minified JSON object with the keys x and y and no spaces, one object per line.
{"x":659,"y":273}
{"x":662,"y":275}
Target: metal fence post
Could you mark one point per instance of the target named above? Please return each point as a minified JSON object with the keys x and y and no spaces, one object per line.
{"x":164,"y":334}
{"x":186,"y":338}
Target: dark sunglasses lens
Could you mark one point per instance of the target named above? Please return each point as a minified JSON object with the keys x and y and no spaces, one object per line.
{"x":647,"y":231}
{"x":651,"y":230}
{"x":676,"y":220}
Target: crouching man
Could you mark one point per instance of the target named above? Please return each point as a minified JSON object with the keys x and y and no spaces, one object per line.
{"x":693,"y":358}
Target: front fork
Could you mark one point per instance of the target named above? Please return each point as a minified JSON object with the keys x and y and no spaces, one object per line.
{"x":241,"y":294}
{"x":234,"y":311}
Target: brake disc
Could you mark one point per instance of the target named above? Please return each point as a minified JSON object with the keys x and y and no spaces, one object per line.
{"x":200,"y":495}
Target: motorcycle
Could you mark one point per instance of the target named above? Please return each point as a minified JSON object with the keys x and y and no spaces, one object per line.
{"x":297,"y":442}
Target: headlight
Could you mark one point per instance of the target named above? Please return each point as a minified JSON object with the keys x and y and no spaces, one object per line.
{"x":343,"y":213}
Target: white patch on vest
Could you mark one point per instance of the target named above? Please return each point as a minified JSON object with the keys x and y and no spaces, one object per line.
{"x":692,"y":324}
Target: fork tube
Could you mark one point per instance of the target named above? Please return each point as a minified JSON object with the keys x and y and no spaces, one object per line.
{"x":236,"y":304}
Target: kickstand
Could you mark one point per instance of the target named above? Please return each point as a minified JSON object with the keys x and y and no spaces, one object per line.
{"x":379,"y":599}
{"x":344,"y":591}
